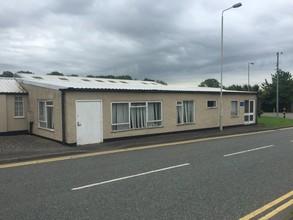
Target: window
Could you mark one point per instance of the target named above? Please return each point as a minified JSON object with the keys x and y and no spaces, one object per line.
{"x":136,"y":115}
{"x":46,"y":114}
{"x":120,"y":116}
{"x":234,"y":109}
{"x":18,"y":107}
{"x":154,"y":114}
{"x":211,"y":104}
{"x":185,"y":112}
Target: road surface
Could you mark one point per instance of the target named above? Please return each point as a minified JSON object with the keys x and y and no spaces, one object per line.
{"x":222,"y":178}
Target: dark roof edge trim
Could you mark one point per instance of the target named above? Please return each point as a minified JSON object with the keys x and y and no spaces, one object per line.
{"x":70,"y":89}
{"x":14,"y":93}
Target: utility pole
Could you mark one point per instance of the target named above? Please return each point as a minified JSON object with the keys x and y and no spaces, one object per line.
{"x":277,"y":89}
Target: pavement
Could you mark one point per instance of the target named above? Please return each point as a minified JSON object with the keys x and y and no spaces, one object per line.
{"x":25,"y":147}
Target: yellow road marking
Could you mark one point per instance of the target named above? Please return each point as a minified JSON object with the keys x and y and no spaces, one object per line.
{"x":267,"y":206}
{"x":124,"y":150}
{"x":277,"y":210}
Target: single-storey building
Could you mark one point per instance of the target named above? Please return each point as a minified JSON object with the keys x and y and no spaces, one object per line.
{"x":79,"y":110}
{"x":13,"y":106}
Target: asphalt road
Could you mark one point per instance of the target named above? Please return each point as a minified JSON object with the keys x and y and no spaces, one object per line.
{"x":213,"y":179}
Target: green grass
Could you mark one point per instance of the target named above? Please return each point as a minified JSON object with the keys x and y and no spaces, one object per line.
{"x":274,"y":121}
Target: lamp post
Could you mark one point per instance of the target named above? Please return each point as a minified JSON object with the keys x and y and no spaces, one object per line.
{"x":248,"y":66}
{"x":277,"y":89}
{"x":221,"y":91}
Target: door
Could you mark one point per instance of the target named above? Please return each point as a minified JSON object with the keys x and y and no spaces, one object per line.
{"x":249,"y":112}
{"x":89,"y":122}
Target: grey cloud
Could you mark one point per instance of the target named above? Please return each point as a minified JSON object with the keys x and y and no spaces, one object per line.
{"x":155,"y":39}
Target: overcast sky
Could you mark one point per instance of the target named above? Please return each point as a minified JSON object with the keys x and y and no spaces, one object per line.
{"x":174,"y":41}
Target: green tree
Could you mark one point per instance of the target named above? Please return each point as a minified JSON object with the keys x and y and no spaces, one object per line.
{"x":157,"y":81}
{"x":73,"y":75}
{"x":285,"y":92}
{"x":210,"y":83}
{"x":7,"y":74}
{"x":127,"y":77}
{"x":254,"y":88}
{"x":55,"y":73}
{"x":25,"y":72}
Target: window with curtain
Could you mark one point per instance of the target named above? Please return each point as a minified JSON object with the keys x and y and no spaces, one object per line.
{"x":135,"y":115}
{"x":138,"y":115}
{"x":18,"y":107}
{"x":154,"y":114}
{"x":185,"y":112}
{"x":46,"y":114}
{"x":234,"y":108}
{"x":120,"y":116}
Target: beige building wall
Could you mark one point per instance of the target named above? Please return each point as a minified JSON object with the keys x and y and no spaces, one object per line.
{"x":204,"y":117}
{"x":3,"y":113}
{"x":9,"y":122}
{"x":38,"y":93}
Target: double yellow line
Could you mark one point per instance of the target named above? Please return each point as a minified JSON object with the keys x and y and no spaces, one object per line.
{"x":271,"y":205}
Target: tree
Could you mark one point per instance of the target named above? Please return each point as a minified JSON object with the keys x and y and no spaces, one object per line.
{"x":25,"y":72}
{"x":254,"y":88}
{"x":55,"y":73}
{"x":157,"y":81}
{"x":75,"y":75}
{"x":161,"y":82}
{"x":7,"y":74}
{"x":126,"y":77}
{"x":210,"y":83}
{"x":285,"y":92}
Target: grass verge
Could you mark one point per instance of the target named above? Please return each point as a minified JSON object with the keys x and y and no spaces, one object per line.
{"x":274,"y":121}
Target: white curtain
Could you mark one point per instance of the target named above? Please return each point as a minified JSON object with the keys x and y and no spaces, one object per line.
{"x":234,"y":110}
{"x":41,"y":111}
{"x":120,"y":115}
{"x":179,"y":114}
{"x":138,"y":117}
{"x":50,"y":122}
{"x":154,"y":111}
{"x":188,"y":111}
{"x":154,"y":114}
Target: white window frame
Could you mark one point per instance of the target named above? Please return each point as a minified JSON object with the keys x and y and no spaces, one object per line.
{"x":214,"y":106}
{"x":18,"y":107}
{"x":43,"y":120}
{"x":132,"y":105}
{"x":180,"y":103}
{"x":232,"y":113}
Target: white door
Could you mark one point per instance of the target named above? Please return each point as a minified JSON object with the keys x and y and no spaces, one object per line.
{"x":89,"y":122}
{"x":249,"y":112}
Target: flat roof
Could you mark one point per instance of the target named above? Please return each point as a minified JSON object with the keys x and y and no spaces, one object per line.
{"x":94,"y":84}
{"x":9,"y":85}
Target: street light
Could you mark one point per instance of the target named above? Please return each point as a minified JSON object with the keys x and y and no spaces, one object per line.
{"x":277,"y":90}
{"x":249,"y":63}
{"x":221,"y":92}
